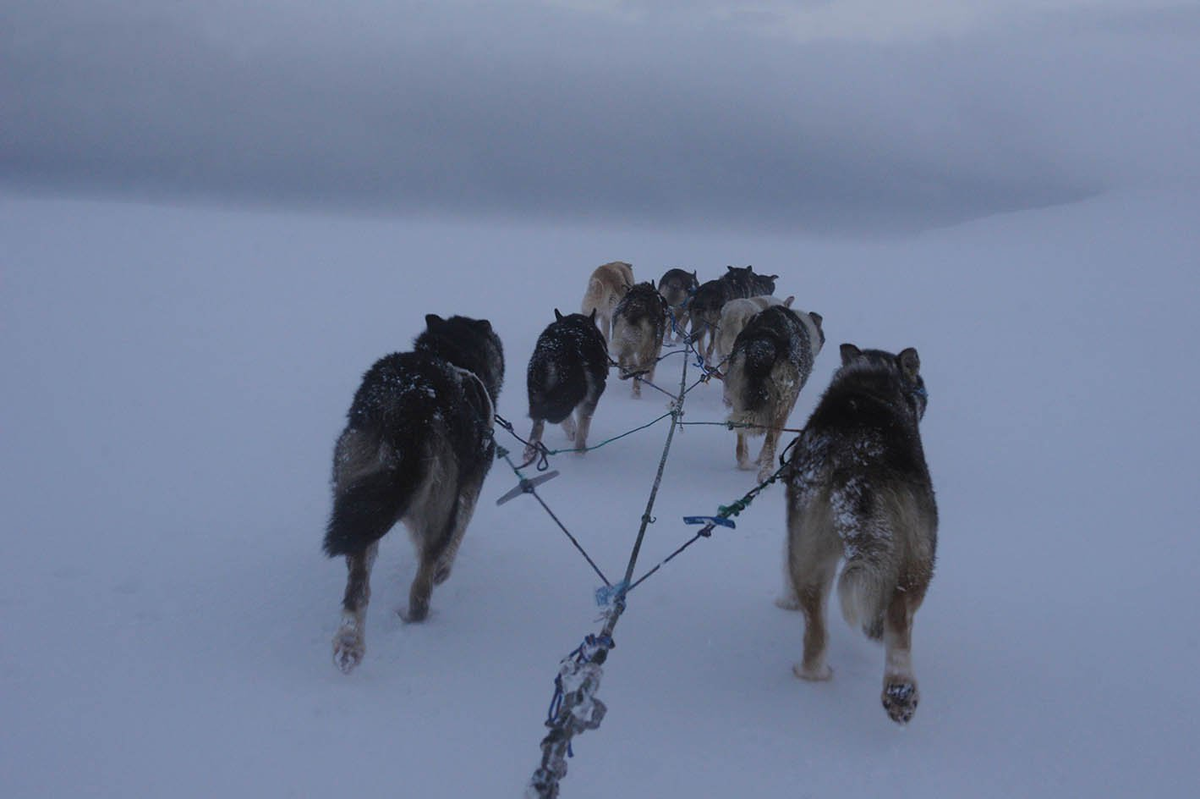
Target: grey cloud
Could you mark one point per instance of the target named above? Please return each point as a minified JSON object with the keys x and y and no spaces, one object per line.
{"x":528,"y":111}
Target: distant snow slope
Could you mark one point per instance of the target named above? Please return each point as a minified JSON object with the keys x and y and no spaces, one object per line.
{"x":174,"y":381}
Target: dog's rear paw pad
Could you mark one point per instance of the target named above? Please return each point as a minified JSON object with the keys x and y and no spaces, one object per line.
{"x":787,"y":602}
{"x":348,"y":650}
{"x":900,"y":701}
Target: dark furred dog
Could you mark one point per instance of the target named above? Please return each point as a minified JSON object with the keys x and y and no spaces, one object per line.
{"x":416,"y":448}
{"x":771,"y":360}
{"x":859,"y":488}
{"x":710,"y":298}
{"x":639,"y":322}
{"x":567,"y":372}
{"x":677,"y":287}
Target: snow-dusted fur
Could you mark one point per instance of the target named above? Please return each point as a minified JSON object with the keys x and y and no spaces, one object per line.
{"x":567,"y":373}
{"x":416,"y":448}
{"x":606,"y":287}
{"x":639,"y":323}
{"x":771,"y":361}
{"x":677,"y":287}
{"x":734,"y":317}
{"x":710,"y":298}
{"x":859,"y":488}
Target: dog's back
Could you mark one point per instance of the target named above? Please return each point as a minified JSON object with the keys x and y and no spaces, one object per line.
{"x":734,"y":316}
{"x":770,"y":362}
{"x":568,"y":361}
{"x":711,"y":297}
{"x":859,"y":487}
{"x":606,"y":287}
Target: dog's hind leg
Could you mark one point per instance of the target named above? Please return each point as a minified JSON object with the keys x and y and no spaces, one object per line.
{"x":569,"y":429}
{"x":535,"y":436}
{"x":900,"y":695}
{"x":812,"y":563}
{"x":743,"y":452}
{"x":349,"y":644}
{"x":467,"y":499}
{"x":584,"y":412}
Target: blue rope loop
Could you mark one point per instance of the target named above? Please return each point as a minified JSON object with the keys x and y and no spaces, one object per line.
{"x":706,"y":520}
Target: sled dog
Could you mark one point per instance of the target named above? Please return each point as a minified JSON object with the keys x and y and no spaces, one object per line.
{"x":416,"y":448}
{"x":734,"y":317}
{"x":567,"y":373}
{"x":677,"y":287}
{"x":771,"y":361}
{"x":859,"y":489}
{"x":606,"y":287}
{"x":710,"y":298}
{"x":639,"y":322}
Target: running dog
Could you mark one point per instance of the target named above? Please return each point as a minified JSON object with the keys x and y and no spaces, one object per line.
{"x":734,"y":317}
{"x":859,"y":489}
{"x":606,"y":287}
{"x":639,"y":322}
{"x":677,"y":287}
{"x":567,"y":373}
{"x":771,"y":361}
{"x":711,"y":297}
{"x":416,"y":448}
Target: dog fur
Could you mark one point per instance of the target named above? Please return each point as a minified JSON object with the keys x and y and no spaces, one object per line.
{"x":639,"y":322}
{"x":567,"y":373}
{"x":416,"y":448}
{"x":859,"y":489}
{"x":710,"y":299}
{"x":734,"y":317}
{"x":606,"y":287}
{"x":677,"y":287}
{"x":771,"y":361}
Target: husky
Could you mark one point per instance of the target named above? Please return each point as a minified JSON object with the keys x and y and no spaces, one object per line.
{"x":771,"y":361}
{"x":677,"y":287}
{"x":734,"y":317}
{"x":606,"y":287}
{"x":416,"y":448}
{"x":567,"y":373}
{"x":859,"y":488}
{"x":639,"y":322}
{"x":711,"y":297}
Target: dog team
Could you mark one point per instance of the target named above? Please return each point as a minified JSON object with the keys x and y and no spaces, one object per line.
{"x":418,"y":444}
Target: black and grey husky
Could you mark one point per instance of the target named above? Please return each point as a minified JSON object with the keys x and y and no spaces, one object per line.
{"x":416,"y":449}
{"x":859,"y":488}
{"x":771,"y":360}
{"x":677,"y":287}
{"x":567,"y":373}
{"x":639,"y":322}
{"x":710,"y":298}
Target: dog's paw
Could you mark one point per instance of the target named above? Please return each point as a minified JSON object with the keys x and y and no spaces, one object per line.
{"x":746,"y":465}
{"x":415,"y":614}
{"x":788,"y":601}
{"x":900,"y":698}
{"x":348,"y":648}
{"x":764,"y":474}
{"x":818,"y":674}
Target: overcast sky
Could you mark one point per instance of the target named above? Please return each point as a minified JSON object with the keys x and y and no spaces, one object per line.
{"x":817,"y":115}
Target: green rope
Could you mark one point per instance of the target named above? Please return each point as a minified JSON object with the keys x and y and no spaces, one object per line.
{"x":609,"y":440}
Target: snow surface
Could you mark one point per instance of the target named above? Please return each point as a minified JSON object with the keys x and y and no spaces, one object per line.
{"x":175,"y":379}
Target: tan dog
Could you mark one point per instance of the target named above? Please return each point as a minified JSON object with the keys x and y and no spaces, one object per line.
{"x":734,"y":316}
{"x":607,"y":285}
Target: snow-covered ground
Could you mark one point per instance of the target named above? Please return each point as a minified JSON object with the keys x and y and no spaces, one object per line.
{"x":174,"y":380}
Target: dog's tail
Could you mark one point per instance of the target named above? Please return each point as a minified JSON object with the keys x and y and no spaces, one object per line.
{"x":863,"y":592}
{"x":759,"y":358}
{"x":368,"y":503}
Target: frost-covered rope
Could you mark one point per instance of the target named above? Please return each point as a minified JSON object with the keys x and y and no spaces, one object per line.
{"x":578,"y":709}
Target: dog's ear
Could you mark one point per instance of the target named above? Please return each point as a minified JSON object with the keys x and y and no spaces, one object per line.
{"x":817,"y":318}
{"x":788,"y":302}
{"x":910,"y":363}
{"x":695,"y":275}
{"x":432,"y":320}
{"x":559,"y":317}
{"x":593,"y":316}
{"x":772,"y":277}
{"x":849,"y":353}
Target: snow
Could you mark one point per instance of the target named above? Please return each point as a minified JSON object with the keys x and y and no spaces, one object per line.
{"x":174,"y":382}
